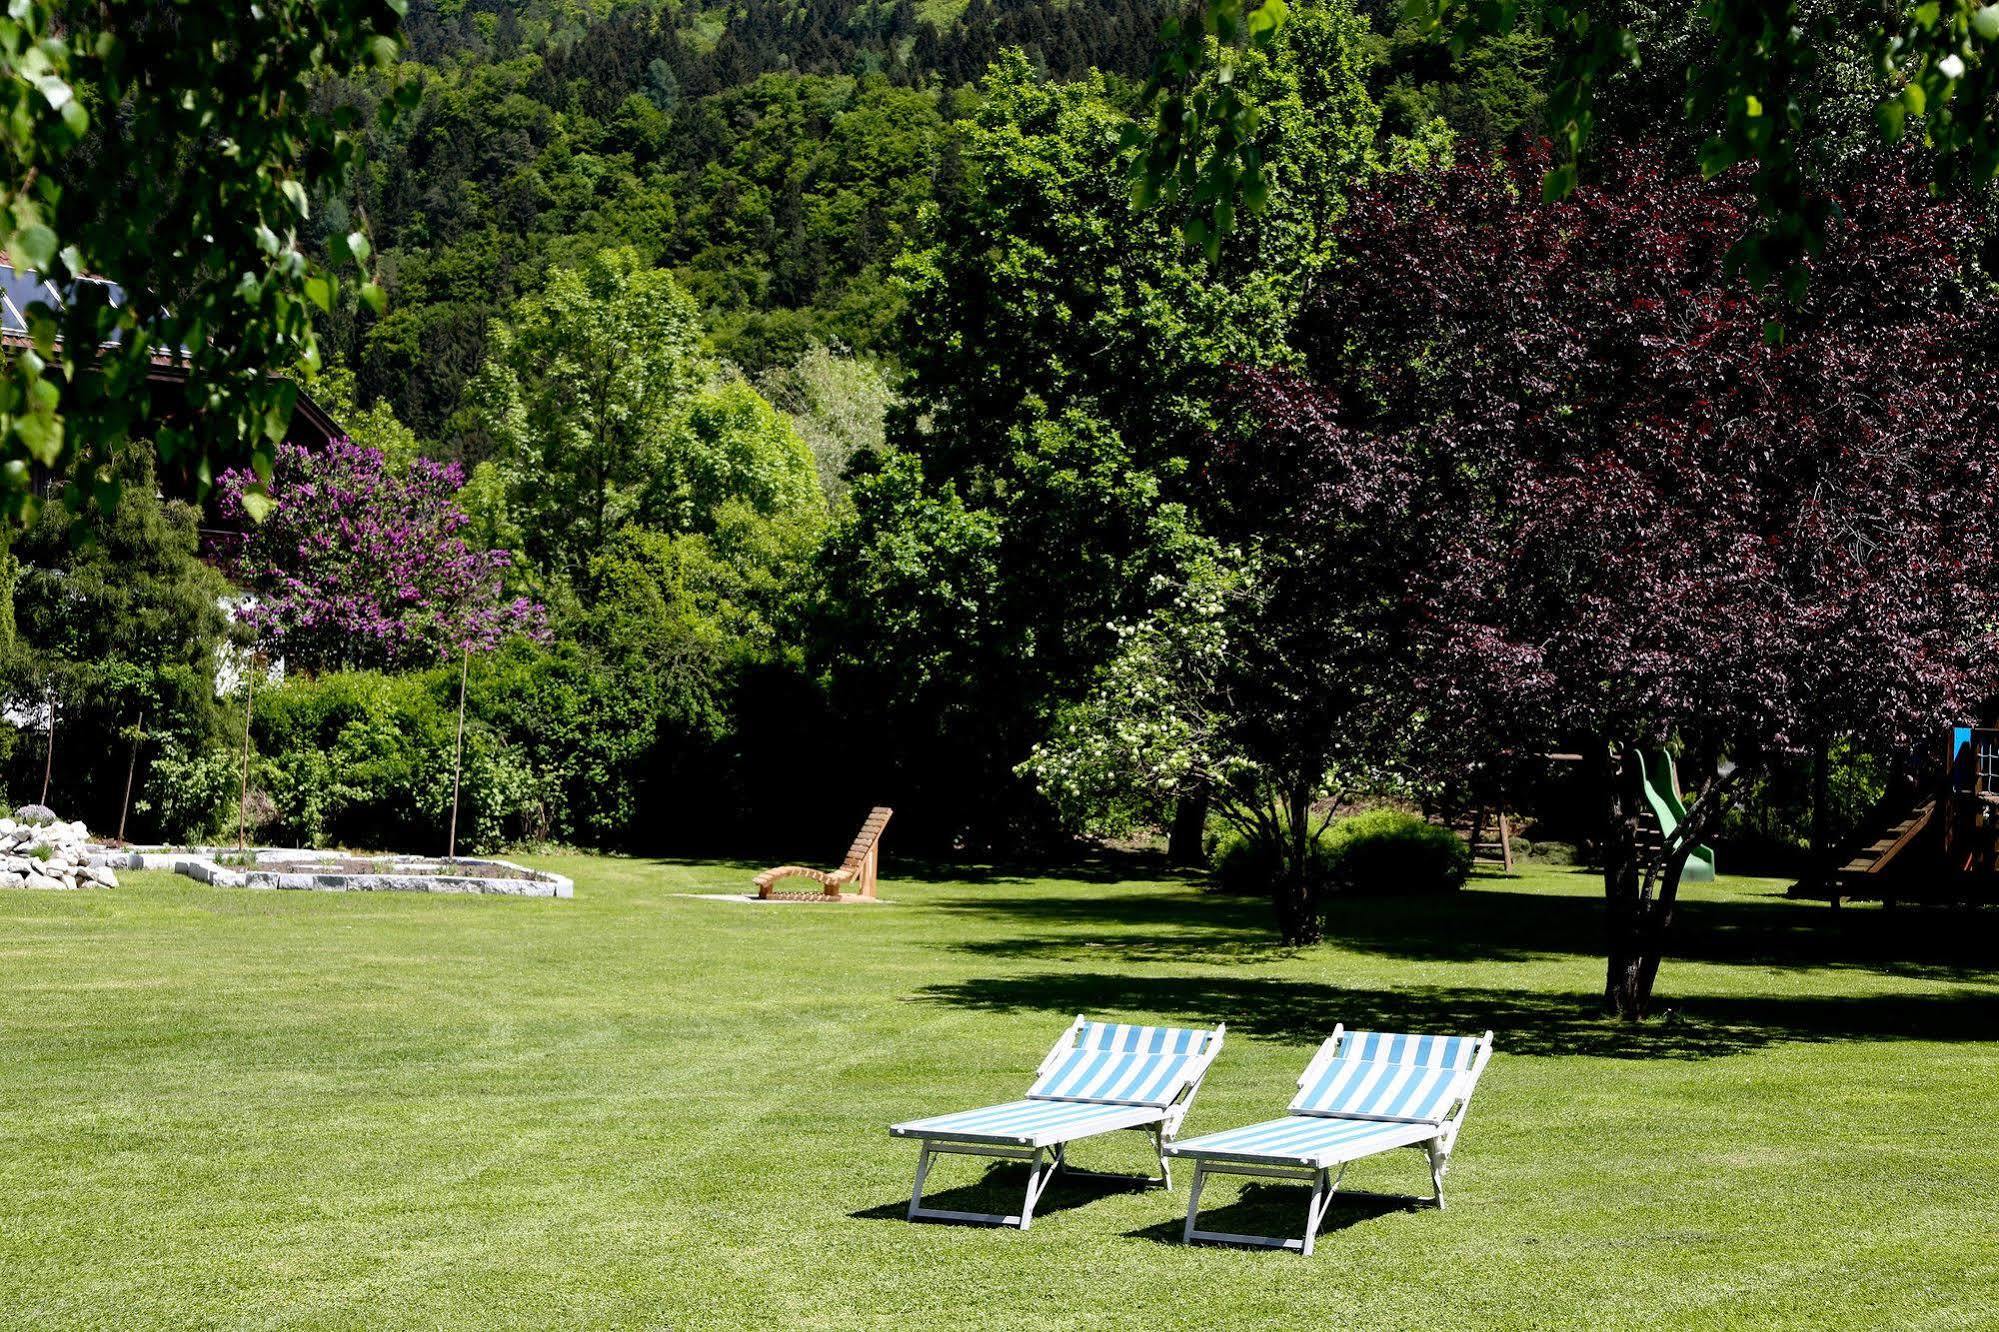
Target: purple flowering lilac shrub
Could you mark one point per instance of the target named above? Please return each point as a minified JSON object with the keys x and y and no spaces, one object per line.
{"x":356,"y":565}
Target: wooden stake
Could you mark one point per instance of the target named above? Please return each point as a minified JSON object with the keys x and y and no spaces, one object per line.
{"x":49,"y":759}
{"x":131,"y":771}
{"x":243,"y":797}
{"x":458,"y":757}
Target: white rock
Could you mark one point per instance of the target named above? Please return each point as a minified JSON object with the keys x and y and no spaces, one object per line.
{"x":43,"y":881}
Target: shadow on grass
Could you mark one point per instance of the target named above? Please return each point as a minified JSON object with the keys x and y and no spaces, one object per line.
{"x":1495,"y":923}
{"x":1002,"y":1189}
{"x":1106,"y":867}
{"x":1278,"y":1210}
{"x":1524,"y":1023}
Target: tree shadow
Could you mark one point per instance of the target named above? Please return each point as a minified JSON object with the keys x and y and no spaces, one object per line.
{"x":1137,"y":868}
{"x":1279,"y":1210}
{"x":1494,"y":922}
{"x":1523,"y":1022}
{"x":1002,"y":1188}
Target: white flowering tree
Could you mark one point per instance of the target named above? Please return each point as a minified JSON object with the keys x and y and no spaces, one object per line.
{"x":1270,"y":667}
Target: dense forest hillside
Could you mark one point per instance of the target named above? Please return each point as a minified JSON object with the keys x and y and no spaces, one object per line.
{"x":776,"y":156}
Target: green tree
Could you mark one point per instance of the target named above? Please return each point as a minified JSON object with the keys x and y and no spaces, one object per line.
{"x":125,"y":624}
{"x":729,"y":444}
{"x":1062,"y":353}
{"x":174,"y":152}
{"x":598,"y":410}
{"x":1756,"y":93}
{"x":840,"y":406}
{"x":579,"y":398}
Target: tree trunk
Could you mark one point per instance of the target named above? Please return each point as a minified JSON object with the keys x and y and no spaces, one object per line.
{"x":1190,"y":824}
{"x":1641,"y":881}
{"x":1821,"y":805}
{"x":243,"y":794}
{"x":1623,"y":879}
{"x":131,"y":772}
{"x":49,"y":751}
{"x":458,"y":753}
{"x":1296,"y":893}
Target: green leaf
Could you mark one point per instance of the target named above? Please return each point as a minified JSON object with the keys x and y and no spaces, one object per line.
{"x":257,"y":504}
{"x":34,"y":247}
{"x":374,"y":297}
{"x":1893,"y":119}
{"x":319,"y":291}
{"x":1559,"y":183}
{"x":41,"y":436}
{"x":1985,"y":22}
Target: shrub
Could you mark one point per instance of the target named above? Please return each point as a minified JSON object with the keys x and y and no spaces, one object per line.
{"x":190,"y":794}
{"x":1386,"y":851}
{"x":355,"y":758}
{"x":1248,"y":867}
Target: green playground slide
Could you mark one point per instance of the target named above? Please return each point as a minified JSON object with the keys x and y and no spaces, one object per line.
{"x":1662,"y":790}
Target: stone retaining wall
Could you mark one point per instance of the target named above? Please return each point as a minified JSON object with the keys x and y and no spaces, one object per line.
{"x":404,"y":874}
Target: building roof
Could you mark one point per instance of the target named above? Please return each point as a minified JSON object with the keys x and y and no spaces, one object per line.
{"x":22,"y":287}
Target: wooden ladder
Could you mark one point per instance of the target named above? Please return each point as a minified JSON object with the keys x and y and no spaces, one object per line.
{"x":1497,"y":849}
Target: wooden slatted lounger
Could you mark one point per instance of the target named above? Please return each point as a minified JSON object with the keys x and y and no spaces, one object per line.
{"x":863,"y":858}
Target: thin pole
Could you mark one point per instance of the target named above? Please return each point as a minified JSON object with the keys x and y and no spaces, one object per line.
{"x":243,"y":797}
{"x":49,"y":759}
{"x":458,"y":757}
{"x":131,"y":771}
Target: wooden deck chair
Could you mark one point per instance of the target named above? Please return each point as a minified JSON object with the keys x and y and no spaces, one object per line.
{"x":863,"y":858}
{"x":1364,"y":1092}
{"x":1100,"y":1077}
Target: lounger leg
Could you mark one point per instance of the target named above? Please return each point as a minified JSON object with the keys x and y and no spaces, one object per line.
{"x":1038,"y":1176}
{"x":922,"y":1169}
{"x":1323,"y":1185}
{"x":1165,"y":1166}
{"x":1439,"y":1162}
{"x":1194,"y":1201}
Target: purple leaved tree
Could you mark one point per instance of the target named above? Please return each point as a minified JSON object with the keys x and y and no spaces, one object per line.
{"x":1631,"y":516}
{"x":356,"y":566}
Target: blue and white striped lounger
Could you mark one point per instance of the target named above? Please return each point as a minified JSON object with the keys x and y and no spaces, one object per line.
{"x":1364,"y":1092}
{"x":1099,"y":1078}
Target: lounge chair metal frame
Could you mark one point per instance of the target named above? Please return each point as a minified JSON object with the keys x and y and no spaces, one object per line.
{"x":1436,"y":1139}
{"x":1045,"y":1151}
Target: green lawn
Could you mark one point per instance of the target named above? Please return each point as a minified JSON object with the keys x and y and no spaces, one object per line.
{"x":237,"y":1108}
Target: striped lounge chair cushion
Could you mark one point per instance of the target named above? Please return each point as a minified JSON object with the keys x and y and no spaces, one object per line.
{"x":1146,"y":1040}
{"x":1028,"y":1122}
{"x":1303,"y":1140}
{"x":1385,"y":1076}
{"x":1117,"y":1064}
{"x":1397,"y":1048}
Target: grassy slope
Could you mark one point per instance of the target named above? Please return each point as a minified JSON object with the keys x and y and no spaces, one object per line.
{"x":235,"y":1108}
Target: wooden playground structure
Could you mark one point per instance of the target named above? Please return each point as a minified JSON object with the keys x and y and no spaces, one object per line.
{"x":859,"y":869}
{"x":1934,"y":843}
{"x":1486,"y":828}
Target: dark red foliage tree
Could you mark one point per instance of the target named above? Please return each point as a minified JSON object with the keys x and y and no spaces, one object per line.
{"x":1636,"y":516}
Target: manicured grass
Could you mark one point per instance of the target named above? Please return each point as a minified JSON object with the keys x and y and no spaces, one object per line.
{"x":235,"y":1108}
